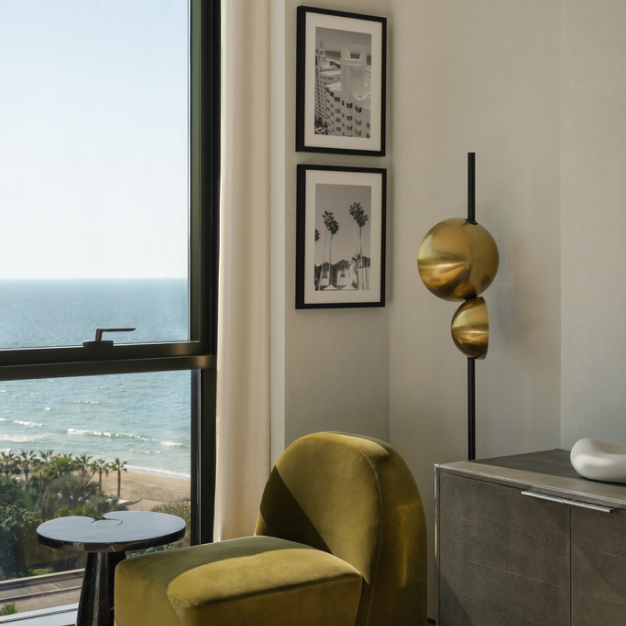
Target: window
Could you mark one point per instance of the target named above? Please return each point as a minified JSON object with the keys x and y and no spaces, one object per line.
{"x":109,"y":166}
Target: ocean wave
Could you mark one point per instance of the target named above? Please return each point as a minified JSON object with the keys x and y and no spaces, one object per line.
{"x":141,"y":469}
{"x":22,"y":438}
{"x":174,"y":444}
{"x":97,"y":433}
{"x":4,"y":419}
{"x":82,"y":433}
{"x":29,"y":424}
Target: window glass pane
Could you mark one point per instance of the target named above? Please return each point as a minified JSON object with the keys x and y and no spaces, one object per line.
{"x":67,"y":312}
{"x":93,"y":170}
{"x":55,"y":436}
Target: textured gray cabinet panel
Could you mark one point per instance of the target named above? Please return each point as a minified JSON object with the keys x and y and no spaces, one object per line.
{"x":471,"y":594}
{"x":503,"y":557}
{"x":496,"y":526}
{"x":599,"y":558}
{"x":589,"y":611}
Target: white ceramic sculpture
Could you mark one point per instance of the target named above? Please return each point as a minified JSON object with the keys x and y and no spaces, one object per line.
{"x":599,"y":460}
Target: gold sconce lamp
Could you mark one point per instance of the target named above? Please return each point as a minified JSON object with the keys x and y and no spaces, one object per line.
{"x":457,"y":260}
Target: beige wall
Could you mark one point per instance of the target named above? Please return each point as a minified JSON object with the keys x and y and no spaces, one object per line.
{"x":475,"y":76}
{"x":336,"y":361}
{"x":593,"y":212}
{"x":537,"y":88}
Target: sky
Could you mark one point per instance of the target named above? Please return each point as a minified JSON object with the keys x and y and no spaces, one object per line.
{"x":337,"y":39}
{"x":93,"y":139}
{"x":337,"y":199}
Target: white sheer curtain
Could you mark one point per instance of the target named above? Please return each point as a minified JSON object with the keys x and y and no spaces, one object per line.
{"x":243,"y":363}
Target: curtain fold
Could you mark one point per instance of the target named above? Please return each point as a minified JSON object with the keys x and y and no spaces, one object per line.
{"x":243,"y":361}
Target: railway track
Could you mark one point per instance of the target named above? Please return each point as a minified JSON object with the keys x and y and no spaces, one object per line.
{"x":37,"y":586}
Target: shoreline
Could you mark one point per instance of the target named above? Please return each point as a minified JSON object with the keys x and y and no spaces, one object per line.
{"x":149,"y":489}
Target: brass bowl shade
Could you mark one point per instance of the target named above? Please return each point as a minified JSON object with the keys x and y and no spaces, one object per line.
{"x":457,"y":260}
{"x":470,"y":328}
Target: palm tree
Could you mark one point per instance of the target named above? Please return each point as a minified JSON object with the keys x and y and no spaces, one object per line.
{"x":26,"y":460}
{"x":45,"y":458}
{"x":328,"y":218}
{"x":355,"y":212}
{"x":333,"y":227}
{"x":317,"y":282}
{"x":119,"y":467}
{"x":83,"y":462}
{"x":362,"y":221}
{"x":9,"y":463}
{"x":58,"y":466}
{"x":99,"y":465}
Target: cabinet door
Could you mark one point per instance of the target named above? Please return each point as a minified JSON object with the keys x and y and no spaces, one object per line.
{"x":598,"y":568}
{"x":503,"y":558}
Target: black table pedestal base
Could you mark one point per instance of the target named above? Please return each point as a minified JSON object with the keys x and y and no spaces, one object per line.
{"x":95,"y":607}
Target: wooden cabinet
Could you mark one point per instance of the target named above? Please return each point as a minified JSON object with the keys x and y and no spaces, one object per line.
{"x":516,"y":544}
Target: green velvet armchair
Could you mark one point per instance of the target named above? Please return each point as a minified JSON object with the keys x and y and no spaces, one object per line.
{"x":340,"y":540}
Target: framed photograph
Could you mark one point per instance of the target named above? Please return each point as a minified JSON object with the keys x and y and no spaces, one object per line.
{"x":340,"y":82}
{"x":340,"y":243}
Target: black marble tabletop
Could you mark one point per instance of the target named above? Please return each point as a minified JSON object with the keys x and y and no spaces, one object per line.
{"x":118,"y":531}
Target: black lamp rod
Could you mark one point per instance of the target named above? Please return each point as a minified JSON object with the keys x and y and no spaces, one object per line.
{"x":471,"y":187}
{"x":471,"y":362}
{"x":471,"y":408}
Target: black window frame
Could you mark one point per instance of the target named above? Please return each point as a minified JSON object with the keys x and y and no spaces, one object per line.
{"x":198,"y":355}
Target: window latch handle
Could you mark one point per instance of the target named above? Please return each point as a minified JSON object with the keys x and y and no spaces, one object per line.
{"x":105,"y":342}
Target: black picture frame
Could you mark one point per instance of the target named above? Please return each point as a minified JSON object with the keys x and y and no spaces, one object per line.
{"x":352,"y":122}
{"x":349,"y":205}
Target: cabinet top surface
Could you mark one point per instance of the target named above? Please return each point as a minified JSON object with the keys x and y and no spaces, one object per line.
{"x":549,"y":470}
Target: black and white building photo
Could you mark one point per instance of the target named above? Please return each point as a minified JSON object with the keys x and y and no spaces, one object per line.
{"x":340,"y":82}
{"x":343,"y":82}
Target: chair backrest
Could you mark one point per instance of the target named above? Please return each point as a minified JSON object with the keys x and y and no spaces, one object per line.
{"x":354,"y":497}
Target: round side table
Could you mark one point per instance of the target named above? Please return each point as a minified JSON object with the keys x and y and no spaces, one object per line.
{"x":106,"y":542}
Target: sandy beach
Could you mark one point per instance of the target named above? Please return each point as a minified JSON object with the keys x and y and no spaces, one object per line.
{"x":149,"y":489}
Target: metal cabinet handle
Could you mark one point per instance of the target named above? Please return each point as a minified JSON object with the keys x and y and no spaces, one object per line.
{"x":582,"y":505}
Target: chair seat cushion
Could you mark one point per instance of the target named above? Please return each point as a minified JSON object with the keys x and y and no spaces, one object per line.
{"x":253,"y":580}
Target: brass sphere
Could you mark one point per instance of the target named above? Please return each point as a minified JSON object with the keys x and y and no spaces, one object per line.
{"x":470,"y":328}
{"x":457,"y":260}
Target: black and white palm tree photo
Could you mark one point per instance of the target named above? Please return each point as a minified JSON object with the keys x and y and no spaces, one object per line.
{"x":341,"y":236}
{"x":342,"y":212}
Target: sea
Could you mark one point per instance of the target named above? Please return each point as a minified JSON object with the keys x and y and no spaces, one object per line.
{"x":143,"y":419}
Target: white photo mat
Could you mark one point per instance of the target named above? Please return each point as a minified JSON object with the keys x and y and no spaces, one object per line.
{"x":346,"y":178}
